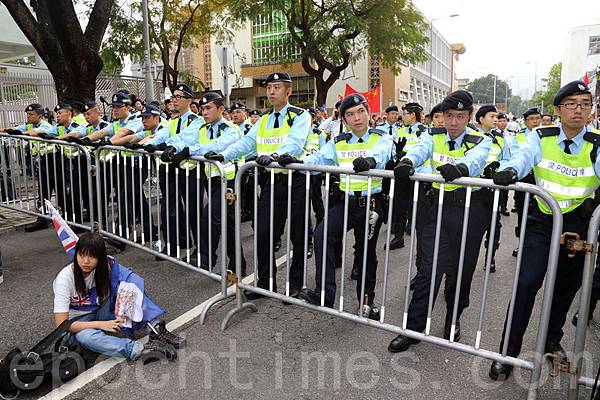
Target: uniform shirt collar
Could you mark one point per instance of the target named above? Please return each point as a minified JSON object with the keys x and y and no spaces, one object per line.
{"x":577,"y":140}
{"x":354,"y":138}
{"x":215,"y":126}
{"x":459,"y":139}
{"x":283,"y":111}
{"x":186,"y":115}
{"x":413,"y":127}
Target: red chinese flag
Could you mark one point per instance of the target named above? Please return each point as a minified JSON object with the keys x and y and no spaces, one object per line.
{"x":373,"y":97}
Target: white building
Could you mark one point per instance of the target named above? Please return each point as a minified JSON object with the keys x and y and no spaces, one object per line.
{"x":581,"y":51}
{"x":13,"y":44}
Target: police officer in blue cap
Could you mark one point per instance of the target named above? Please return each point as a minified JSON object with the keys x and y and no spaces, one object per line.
{"x":281,"y":130}
{"x":574,"y":147}
{"x":361,"y":149}
{"x":455,"y":151}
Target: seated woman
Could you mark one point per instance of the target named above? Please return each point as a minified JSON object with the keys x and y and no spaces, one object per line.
{"x":86,"y":291}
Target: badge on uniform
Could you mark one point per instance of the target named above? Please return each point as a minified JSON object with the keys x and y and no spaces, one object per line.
{"x":459,"y":105}
{"x":275,"y":76}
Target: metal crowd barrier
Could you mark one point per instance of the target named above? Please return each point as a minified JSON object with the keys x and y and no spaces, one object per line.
{"x":590,"y":246}
{"x":33,"y":169}
{"x":341,"y":311}
{"x":113,"y":190}
{"x":134,"y":210}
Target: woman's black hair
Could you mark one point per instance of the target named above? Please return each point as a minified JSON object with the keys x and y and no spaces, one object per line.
{"x":92,"y":244}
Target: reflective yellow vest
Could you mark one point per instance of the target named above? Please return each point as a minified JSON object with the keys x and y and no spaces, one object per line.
{"x":442,"y":154}
{"x":569,"y":178}
{"x":346,"y":153}
{"x":269,"y":140}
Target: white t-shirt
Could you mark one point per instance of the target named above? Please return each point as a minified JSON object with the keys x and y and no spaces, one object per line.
{"x":66,"y":298}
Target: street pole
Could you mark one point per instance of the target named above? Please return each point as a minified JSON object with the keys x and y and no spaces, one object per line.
{"x":147,"y":72}
{"x":431,"y":57}
{"x":226,"y":76}
{"x":495,"y":79}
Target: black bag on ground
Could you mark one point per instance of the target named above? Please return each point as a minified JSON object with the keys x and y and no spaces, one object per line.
{"x":47,"y":361}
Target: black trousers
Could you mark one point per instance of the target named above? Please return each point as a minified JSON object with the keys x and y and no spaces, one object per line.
{"x":50,"y":179}
{"x":74,"y":169}
{"x":215,"y":228}
{"x":497,"y":227}
{"x":335,"y":232}
{"x":296,"y":226}
{"x":449,"y":252}
{"x":422,"y":216}
{"x":172,"y":205}
{"x":534,"y":262}
{"x":520,"y":202}
{"x":133,"y":204}
{"x":316,"y":197}
{"x":403,"y":198}
{"x":106,"y":176}
{"x":7,"y":188}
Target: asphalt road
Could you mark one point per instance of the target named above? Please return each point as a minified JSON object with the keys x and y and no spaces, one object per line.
{"x":280,"y":351}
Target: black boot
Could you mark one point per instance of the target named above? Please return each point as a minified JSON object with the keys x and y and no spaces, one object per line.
{"x":397,"y":242}
{"x":497,"y":370}
{"x":401,"y":343}
{"x":161,"y":333}
{"x":155,"y":350}
{"x":448,"y":327}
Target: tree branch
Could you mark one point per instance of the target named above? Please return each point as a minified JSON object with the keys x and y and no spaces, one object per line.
{"x":96,"y":27}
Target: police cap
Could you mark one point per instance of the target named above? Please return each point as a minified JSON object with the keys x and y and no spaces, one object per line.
{"x":254,"y":112}
{"x":391,"y":108}
{"x":34,"y":107}
{"x":457,"y":100}
{"x":89,"y":105}
{"x":238,"y":106}
{"x":531,"y":111}
{"x":150,"y":110}
{"x":277,"y":77}
{"x":63,"y":106}
{"x":570,"y":89}
{"x":350,"y":101}
{"x":182,"y":87}
{"x":120,"y":99}
{"x":412,"y":107}
{"x":211,"y":97}
{"x":483,"y":110}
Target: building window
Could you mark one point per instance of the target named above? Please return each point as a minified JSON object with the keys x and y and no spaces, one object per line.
{"x":594,"y":47}
{"x":303,"y":93}
{"x":271,"y":40}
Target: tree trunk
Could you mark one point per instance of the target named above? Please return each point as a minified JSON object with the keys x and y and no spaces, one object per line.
{"x":322,"y":90}
{"x":72,"y":56}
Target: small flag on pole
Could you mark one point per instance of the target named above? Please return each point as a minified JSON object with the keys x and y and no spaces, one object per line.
{"x":66,"y":235}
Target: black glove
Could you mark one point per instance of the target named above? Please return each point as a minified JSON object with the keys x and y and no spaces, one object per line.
{"x":505,"y":177}
{"x":86,"y":140}
{"x":404,"y":169}
{"x":286,"y":159}
{"x":44,"y":135}
{"x":70,"y":139}
{"x":161,"y":146}
{"x":168,"y":154}
{"x":150,"y":148}
{"x":105,"y":142}
{"x":132,"y":145}
{"x":179,"y":157}
{"x":451,"y":172}
{"x":251,"y":158}
{"x":214,"y":156}
{"x":586,"y":209}
{"x":400,"y":148}
{"x":11,"y":131}
{"x":264,"y":160}
{"x":490,"y":170}
{"x":363,"y":164}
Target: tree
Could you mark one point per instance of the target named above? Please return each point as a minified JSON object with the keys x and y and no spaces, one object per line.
{"x":483,"y":90}
{"x":516,"y":105}
{"x":174,"y":25}
{"x":546,"y":96}
{"x":71,"y":54}
{"x":327,"y":36}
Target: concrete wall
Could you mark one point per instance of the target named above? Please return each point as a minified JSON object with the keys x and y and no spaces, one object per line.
{"x":575,"y":60}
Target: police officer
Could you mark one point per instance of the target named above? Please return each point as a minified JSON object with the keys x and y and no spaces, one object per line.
{"x":574,"y":147}
{"x":238,"y":116}
{"x":437,"y":116}
{"x":282,"y":130}
{"x":254,"y":116}
{"x":34,"y":121}
{"x":333,"y":125}
{"x":361,"y":149}
{"x":238,"y":113}
{"x":547,"y":120}
{"x":215,"y":135}
{"x":391,"y":124}
{"x":507,"y":136}
{"x":182,"y":119}
{"x":78,"y":113}
{"x":487,"y":118}
{"x":408,"y":137}
{"x":532,"y":118}
{"x":455,"y":151}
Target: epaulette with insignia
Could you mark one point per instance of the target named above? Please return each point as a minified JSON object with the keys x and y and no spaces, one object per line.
{"x":548,"y":131}
{"x":592,"y":137}
{"x":376,"y":131}
{"x":223,"y":126}
{"x":74,"y":124}
{"x":317,"y":131}
{"x":476,"y":139}
{"x":192,"y":117}
{"x":437,"y":131}
{"x":342,"y":137}
{"x":295,"y":110}
{"x":103,"y":124}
